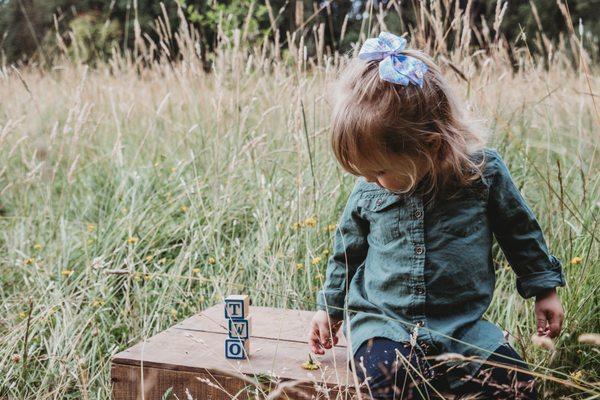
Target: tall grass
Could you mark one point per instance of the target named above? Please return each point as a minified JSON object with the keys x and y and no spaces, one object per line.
{"x":135,"y":194}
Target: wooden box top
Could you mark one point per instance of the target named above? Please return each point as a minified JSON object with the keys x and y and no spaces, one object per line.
{"x":278,"y":346}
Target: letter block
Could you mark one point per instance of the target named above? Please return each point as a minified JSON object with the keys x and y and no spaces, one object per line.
{"x":240,"y":328}
{"x":237,"y":349}
{"x":237,"y":306}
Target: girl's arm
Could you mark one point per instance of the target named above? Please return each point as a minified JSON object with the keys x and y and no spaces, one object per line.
{"x":519,"y":235}
{"x":349,"y":251}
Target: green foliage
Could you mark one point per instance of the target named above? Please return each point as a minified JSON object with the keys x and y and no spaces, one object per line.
{"x":28,"y":27}
{"x":230,"y":16}
{"x":92,"y":39}
{"x":520,"y":18}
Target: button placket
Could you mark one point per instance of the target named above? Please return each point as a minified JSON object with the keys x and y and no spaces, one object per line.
{"x":418,"y":272}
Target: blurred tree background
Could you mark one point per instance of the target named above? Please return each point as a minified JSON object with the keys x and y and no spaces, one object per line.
{"x":32,"y":30}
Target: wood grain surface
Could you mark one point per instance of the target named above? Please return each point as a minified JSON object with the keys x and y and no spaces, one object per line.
{"x":187,"y":354}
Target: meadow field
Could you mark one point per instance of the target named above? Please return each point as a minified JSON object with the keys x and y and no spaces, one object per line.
{"x":138,"y":192}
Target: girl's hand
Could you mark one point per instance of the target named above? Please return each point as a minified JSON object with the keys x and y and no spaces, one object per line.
{"x":549,"y":314}
{"x":321,"y":333}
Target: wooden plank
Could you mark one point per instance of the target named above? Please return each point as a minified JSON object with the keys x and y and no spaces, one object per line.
{"x":197,"y":351}
{"x":195,"y":348}
{"x":267,"y":322}
{"x":127,"y":385}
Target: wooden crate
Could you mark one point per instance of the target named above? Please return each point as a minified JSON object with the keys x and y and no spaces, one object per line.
{"x":190,"y":356}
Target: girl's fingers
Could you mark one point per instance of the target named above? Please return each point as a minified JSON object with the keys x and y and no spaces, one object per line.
{"x":325,"y":335}
{"x":321,"y":335}
{"x":554,"y":323}
{"x":561,"y":319}
{"x":541,"y":325}
{"x":313,"y":336}
{"x":314,"y":342}
{"x":540,"y":315}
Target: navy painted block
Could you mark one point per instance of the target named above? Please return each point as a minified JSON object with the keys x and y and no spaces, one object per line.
{"x":237,"y":349}
{"x":237,"y":306}
{"x":240,"y":328}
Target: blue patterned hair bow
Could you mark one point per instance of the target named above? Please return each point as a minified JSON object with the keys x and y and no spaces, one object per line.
{"x":394,"y":66}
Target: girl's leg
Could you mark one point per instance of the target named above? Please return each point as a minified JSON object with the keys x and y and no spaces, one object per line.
{"x":394,"y":370}
{"x":501,"y":383}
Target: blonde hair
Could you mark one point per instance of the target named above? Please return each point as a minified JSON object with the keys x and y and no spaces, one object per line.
{"x":373,"y":119}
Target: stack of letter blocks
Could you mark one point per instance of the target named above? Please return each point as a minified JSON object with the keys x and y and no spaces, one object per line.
{"x":237,"y":345}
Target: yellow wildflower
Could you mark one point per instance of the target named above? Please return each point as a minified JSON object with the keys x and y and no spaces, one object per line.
{"x":196,"y":270}
{"x":22,"y":314}
{"x":173,"y":312}
{"x":576,"y":260}
{"x":162,"y":260}
{"x":298,"y":225}
{"x":316,"y":260}
{"x":149,"y":258}
{"x":299,"y":266}
{"x":577,"y":375}
{"x":173,"y":170}
{"x":311,"y":221}
{"x":311,"y":364}
{"x":147,"y":277}
{"x":29,"y":261}
{"x":211,"y":260}
{"x":156,"y":164}
{"x":97,"y":303}
{"x":132,"y":240}
{"x":124,"y":210}
{"x":183,"y":208}
{"x":67,"y":272}
{"x":91,"y":228}
{"x":38,"y":246}
{"x":326,"y":252}
{"x":330,"y":227}
{"x":319,"y":276}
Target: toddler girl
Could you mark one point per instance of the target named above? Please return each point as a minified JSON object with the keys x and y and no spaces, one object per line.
{"x":413,"y":250}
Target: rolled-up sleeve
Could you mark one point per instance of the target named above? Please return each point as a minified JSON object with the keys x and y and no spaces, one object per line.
{"x":519,"y":234}
{"x":349,"y":251}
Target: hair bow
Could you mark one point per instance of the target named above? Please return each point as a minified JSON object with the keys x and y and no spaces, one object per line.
{"x":394,"y":66}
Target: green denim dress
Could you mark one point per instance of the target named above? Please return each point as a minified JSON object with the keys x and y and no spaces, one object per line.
{"x":402,"y":267}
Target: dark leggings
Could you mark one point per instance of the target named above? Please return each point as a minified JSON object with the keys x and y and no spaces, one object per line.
{"x":401,"y":377}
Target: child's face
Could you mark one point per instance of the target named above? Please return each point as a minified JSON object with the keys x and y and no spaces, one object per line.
{"x":398,"y":178}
